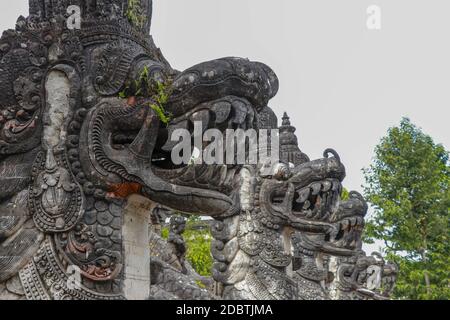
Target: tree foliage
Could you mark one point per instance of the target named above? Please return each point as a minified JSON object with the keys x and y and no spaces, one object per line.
{"x":408,"y":185}
{"x":198,"y":243}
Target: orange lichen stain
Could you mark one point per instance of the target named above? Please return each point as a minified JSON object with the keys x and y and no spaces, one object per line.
{"x":131,"y":101}
{"x":124,"y":190}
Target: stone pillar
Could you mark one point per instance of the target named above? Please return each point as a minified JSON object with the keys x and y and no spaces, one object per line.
{"x":136,"y":239}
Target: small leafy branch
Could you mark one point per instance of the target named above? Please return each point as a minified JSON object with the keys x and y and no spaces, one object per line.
{"x":161,"y":98}
{"x":137,"y":88}
{"x":145,"y":87}
{"x":135,"y":14}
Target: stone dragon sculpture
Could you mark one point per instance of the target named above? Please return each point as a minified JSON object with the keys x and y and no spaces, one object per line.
{"x":290,"y":228}
{"x":81,"y":168}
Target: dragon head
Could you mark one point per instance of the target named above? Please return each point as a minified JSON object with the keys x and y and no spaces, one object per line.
{"x":308,"y":199}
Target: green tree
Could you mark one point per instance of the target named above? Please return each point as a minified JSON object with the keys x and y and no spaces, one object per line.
{"x":198,"y":243}
{"x":408,"y":185}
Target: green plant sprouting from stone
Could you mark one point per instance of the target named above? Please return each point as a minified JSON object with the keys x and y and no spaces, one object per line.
{"x":140,"y":87}
{"x":161,"y":99}
{"x":135,"y":14}
{"x":144,"y":87}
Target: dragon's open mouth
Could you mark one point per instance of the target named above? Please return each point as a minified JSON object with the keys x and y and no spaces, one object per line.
{"x":347,"y":233}
{"x":212,"y":177}
{"x":340,"y":240}
{"x":334,"y":225}
{"x":318,"y":200}
{"x":348,"y":222}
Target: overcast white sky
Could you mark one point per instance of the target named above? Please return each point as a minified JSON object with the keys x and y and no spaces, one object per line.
{"x":342,"y":85}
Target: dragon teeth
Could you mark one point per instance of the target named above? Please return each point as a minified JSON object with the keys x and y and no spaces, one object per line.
{"x":306,"y":205}
{"x":326,"y":186}
{"x":325,"y":200}
{"x":223,"y":174}
{"x":316,"y":187}
{"x":336,"y":186}
{"x":230,"y":176}
{"x":303,"y":195}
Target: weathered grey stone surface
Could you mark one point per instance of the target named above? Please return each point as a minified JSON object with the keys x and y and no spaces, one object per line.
{"x":136,"y":241}
{"x":75,"y":156}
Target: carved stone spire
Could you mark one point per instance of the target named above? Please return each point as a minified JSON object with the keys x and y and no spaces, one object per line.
{"x":137,"y":12}
{"x":289,"y":150}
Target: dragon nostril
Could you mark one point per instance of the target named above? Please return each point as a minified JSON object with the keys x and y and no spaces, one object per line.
{"x":329,"y":151}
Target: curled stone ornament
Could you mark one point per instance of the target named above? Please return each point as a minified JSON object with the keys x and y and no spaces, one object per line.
{"x":56,"y":199}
